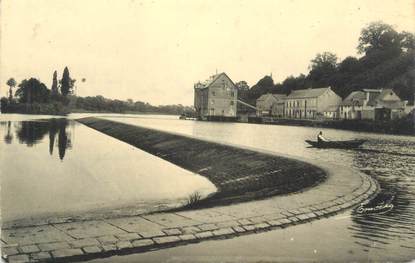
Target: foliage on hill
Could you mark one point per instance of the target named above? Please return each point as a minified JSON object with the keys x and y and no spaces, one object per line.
{"x":387,"y":61}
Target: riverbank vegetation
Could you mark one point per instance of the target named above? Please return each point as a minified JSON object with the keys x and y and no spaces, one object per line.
{"x":101,"y":104}
{"x":34,"y":97}
{"x":387,"y":61}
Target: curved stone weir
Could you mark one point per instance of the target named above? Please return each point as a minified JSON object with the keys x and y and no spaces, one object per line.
{"x":342,"y":189}
{"x":239,"y":174}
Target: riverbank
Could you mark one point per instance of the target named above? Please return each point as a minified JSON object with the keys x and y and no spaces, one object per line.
{"x":239,"y":174}
{"x":62,"y":110}
{"x":405,"y":126}
{"x":54,"y":108}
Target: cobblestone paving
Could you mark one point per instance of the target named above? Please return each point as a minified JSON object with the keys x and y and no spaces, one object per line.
{"x":65,"y":241}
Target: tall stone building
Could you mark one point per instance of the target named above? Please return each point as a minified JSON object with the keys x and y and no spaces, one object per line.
{"x":216,"y":98}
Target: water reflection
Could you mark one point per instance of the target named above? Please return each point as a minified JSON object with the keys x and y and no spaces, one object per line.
{"x":8,"y":138}
{"x":100,"y":177}
{"x":394,"y":172}
{"x":31,"y":133}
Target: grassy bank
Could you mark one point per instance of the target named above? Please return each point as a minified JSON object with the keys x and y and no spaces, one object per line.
{"x":239,"y":174}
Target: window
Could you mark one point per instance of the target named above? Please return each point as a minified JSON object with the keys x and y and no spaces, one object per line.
{"x":232,"y":94}
{"x":213,"y":93}
{"x":231,"y":102}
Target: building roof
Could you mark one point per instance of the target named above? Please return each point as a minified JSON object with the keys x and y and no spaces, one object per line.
{"x":379,"y":98}
{"x":307,"y":93}
{"x":384,"y":93}
{"x":211,"y":79}
{"x":356,"y":98}
{"x":372,"y":90}
{"x":279,"y":96}
{"x":276,"y":96}
{"x":376,"y":98}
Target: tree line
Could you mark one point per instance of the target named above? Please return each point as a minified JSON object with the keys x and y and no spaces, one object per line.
{"x":387,"y":61}
{"x":33,"y":90}
{"x":101,"y":104}
{"x":33,"y":96}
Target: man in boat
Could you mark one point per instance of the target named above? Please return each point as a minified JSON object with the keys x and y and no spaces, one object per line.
{"x":320,"y":138}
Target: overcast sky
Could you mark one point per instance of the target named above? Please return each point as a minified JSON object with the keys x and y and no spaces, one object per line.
{"x":154,"y":51}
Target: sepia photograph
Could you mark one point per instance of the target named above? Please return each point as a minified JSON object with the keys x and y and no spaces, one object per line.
{"x":207,"y":131}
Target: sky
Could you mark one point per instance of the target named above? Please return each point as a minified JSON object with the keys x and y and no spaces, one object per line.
{"x":154,"y":51}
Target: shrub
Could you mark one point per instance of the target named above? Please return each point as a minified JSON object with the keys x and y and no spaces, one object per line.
{"x":193,"y":199}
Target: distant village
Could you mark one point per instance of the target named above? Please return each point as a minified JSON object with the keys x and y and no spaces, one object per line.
{"x":217,"y":99}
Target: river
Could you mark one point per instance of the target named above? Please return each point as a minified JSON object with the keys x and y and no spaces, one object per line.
{"x":349,"y":236}
{"x":59,"y":168}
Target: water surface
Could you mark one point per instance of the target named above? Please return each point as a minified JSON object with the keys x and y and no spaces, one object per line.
{"x":58,"y":166}
{"x":351,"y":236}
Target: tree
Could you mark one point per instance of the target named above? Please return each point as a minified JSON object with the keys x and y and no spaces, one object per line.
{"x":379,"y":36}
{"x":243,"y":90}
{"x":242,"y":85}
{"x":66,"y":83}
{"x":293,"y":83}
{"x":408,"y":41}
{"x":11,"y":83}
{"x":325,"y":59}
{"x":346,"y":71}
{"x":322,"y":67}
{"x":32,"y":90}
{"x":4,"y":102}
{"x":54,"y":89}
{"x":263,"y":86}
{"x":350,"y":65}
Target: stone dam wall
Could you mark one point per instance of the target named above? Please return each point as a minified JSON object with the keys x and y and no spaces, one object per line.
{"x":239,"y":174}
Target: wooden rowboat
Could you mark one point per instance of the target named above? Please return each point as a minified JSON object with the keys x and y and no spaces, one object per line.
{"x":337,"y":144}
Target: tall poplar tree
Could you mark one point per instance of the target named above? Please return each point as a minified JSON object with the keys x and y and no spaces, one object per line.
{"x":54,"y":88}
{"x":66,"y":83}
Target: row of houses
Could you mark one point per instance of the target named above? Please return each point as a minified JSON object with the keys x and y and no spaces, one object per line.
{"x":217,"y":97}
{"x":324,"y":103}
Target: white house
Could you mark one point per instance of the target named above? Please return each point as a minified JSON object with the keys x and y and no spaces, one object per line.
{"x":312,"y":103}
{"x":373,"y":104}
